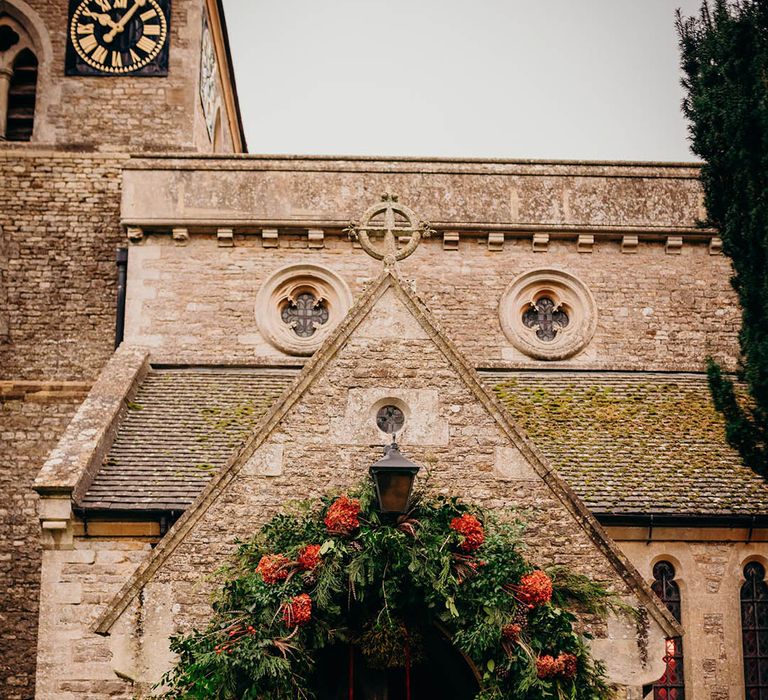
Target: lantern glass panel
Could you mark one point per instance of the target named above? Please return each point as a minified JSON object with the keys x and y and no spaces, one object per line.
{"x":394,"y":490}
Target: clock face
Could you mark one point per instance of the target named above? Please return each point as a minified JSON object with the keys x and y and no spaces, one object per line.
{"x":118,"y":37}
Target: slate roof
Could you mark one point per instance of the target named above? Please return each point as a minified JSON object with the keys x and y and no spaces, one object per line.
{"x":182,"y":426}
{"x":627,"y":443}
{"x":634,"y":443}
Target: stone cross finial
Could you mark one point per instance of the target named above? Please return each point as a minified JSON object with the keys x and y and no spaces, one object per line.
{"x":393,"y":220}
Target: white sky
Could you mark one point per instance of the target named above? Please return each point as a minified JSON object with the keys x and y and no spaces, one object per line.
{"x":566,"y":79}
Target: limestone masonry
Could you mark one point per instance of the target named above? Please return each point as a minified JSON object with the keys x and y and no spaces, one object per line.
{"x":546,"y":344}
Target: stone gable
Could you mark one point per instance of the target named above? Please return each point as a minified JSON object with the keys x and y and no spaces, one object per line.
{"x":312,"y":442}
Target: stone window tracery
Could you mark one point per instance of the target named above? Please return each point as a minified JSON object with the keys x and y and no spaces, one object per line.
{"x":754,"y":631}
{"x":548,"y":314}
{"x":546,"y":318}
{"x":305,"y":314}
{"x":298,"y":306}
{"x":671,"y":686}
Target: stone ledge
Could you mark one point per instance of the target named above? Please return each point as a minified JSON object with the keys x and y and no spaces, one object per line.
{"x":80,"y":450}
{"x":34,"y":390}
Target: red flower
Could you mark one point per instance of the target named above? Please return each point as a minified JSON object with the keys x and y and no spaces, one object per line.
{"x":470,"y":528}
{"x":564,"y":666}
{"x":534,"y":589}
{"x":569,"y":663}
{"x":273,"y":568}
{"x":342,"y":516}
{"x":309,"y":557}
{"x":548,"y":666}
{"x":298,"y":611}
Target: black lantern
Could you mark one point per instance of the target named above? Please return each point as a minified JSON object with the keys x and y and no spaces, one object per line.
{"x":393,"y":477}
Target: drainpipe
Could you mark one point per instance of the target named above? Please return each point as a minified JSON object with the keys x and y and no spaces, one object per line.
{"x":122,"y":273}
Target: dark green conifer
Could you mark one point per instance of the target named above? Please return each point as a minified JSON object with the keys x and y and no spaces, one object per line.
{"x":724,"y":55}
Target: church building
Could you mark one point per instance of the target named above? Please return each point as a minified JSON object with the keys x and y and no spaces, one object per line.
{"x":192,"y":337}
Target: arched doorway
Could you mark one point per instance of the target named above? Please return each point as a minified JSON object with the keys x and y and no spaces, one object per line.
{"x":342,"y":673}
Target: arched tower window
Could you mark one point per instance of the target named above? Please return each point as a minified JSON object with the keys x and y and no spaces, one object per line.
{"x":754,"y":631}
{"x":19,"y":67}
{"x":22,"y":92}
{"x":671,"y":686}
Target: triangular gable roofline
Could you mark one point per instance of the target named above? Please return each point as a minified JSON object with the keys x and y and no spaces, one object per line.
{"x":388,"y":279}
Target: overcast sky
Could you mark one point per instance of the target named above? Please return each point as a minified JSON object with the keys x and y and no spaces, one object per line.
{"x":570,"y":79}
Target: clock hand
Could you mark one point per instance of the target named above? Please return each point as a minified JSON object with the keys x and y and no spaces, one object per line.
{"x":117,"y":28}
{"x":104,"y":20}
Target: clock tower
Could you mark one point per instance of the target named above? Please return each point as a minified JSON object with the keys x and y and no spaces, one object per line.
{"x":118,"y":75}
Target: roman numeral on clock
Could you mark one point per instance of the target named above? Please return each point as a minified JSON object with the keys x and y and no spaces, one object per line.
{"x":117,"y":59}
{"x":100,"y":54}
{"x":146,"y":44}
{"x":89,"y":43}
{"x":152,"y":30}
{"x":85,"y":29}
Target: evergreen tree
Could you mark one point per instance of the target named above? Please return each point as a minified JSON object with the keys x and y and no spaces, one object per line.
{"x":725,"y":64}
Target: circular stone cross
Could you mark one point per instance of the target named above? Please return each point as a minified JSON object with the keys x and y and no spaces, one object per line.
{"x":394,"y":220}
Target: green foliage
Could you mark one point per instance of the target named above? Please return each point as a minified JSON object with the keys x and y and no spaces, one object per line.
{"x":376,"y":587}
{"x":725,"y":64}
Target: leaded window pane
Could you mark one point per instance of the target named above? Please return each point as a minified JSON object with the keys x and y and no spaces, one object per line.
{"x":671,"y":686}
{"x":754,"y":631}
{"x":305,"y":314}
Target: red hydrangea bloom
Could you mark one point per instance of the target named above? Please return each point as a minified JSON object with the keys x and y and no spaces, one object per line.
{"x":471,"y":529}
{"x":548,"y":666}
{"x":570,"y":664}
{"x":564,"y":666}
{"x":298,"y":611}
{"x":342,"y":515}
{"x":534,"y":589}
{"x":309,"y":557}
{"x":273,"y":568}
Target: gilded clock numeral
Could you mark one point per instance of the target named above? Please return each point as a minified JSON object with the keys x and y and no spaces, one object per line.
{"x":85,"y":29}
{"x":88,"y":43}
{"x":100,"y":54}
{"x":105,"y":5}
{"x":134,"y":56}
{"x":152,"y":30}
{"x":146,"y":44}
{"x":121,"y":4}
{"x":117,"y":59}
{"x":149,"y":14}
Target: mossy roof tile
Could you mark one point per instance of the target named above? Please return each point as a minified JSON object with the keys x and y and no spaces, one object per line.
{"x":634,"y":443}
{"x":181,"y":428}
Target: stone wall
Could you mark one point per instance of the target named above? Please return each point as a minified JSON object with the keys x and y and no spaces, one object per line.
{"x":76,"y":584}
{"x":59,"y":219}
{"x":655,"y":311}
{"x":316,"y":446}
{"x":30,"y":424}
{"x":709,"y":574}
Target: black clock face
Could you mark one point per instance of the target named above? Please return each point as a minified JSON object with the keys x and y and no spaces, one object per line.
{"x":118,"y":37}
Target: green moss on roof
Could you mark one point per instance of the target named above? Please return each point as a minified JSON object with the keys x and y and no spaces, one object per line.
{"x":633,"y":443}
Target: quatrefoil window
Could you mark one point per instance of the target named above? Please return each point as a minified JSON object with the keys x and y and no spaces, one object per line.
{"x":305,"y":314}
{"x":548,"y":314}
{"x":546,"y":317}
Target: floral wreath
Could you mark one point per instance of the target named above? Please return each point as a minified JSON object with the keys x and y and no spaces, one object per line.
{"x":337,"y":572}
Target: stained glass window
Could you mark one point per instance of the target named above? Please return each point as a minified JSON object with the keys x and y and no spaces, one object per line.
{"x":671,"y":686}
{"x":546,"y":317}
{"x":754,"y":631}
{"x":305,"y":314}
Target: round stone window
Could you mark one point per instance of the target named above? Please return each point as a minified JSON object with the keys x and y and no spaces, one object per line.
{"x":548,"y":314}
{"x":299,"y":306}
